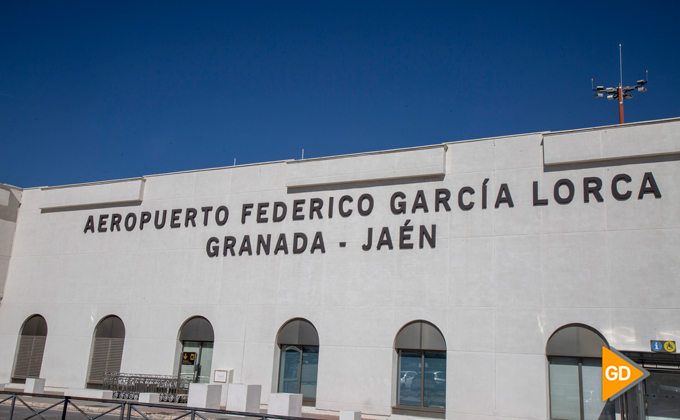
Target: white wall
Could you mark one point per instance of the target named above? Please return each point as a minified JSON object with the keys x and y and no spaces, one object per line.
{"x":498,"y":284}
{"x":10,"y":199}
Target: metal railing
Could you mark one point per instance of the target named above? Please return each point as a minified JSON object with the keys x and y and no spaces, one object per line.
{"x":126,"y":410}
{"x":127,"y":386}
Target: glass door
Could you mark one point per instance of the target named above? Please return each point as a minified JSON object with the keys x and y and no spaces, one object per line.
{"x":196,"y":360}
{"x":298,"y":371}
{"x":662,"y":395}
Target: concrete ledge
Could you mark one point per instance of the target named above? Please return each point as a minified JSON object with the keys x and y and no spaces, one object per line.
{"x":656,"y":138}
{"x":89,"y":393}
{"x":10,"y":387}
{"x":396,"y":164}
{"x":108,"y":193}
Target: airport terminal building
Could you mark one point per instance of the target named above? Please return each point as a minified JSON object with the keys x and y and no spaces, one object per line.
{"x":466,"y":280}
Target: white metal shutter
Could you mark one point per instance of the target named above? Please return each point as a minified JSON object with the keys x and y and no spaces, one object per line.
{"x":29,"y":357}
{"x":106,"y":357}
{"x":115,"y":354}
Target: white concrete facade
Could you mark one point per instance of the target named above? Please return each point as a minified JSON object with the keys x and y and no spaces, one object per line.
{"x":497,"y":281}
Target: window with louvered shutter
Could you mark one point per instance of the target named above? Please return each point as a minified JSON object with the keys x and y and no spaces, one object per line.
{"x":31,"y":348}
{"x":107,"y":351}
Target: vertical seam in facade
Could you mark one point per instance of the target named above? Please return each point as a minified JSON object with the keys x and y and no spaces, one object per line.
{"x":607,"y":256}
{"x":493,"y":273}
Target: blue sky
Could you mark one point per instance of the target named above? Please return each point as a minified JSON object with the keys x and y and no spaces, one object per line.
{"x":91,"y":91}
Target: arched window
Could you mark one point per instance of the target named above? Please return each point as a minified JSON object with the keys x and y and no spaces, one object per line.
{"x":107,"y":350}
{"x":197,"y":338}
{"x":421,"y":351}
{"x":299,"y":365}
{"x":575,"y":369}
{"x":31,"y":348}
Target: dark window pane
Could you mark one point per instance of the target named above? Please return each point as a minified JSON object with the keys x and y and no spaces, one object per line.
{"x":564,"y":389}
{"x":308,"y":372}
{"x":593,"y":406}
{"x":204,"y":363}
{"x":289,"y":372}
{"x":663,"y":395}
{"x":434,"y":384}
{"x":410,"y":378}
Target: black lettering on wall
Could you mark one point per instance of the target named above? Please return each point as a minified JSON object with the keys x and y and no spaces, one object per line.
{"x":190,"y":217}
{"x":570,"y":188}
{"x":221,"y":215}
{"x":174,"y":218}
{"x":404,"y":235}
{"x":245,"y":246}
{"x":360,"y":206}
{"x":101,"y":227}
{"x":206,"y":211}
{"x":504,"y":196}
{"x":146,"y":218}
{"x":299,"y":242}
{"x":385,"y":239}
{"x":615,"y":187}
{"x":245,"y":211}
{"x":461,"y":201}
{"x":431,"y":238}
{"x":278,"y":205}
{"x":281,"y":245}
{"x":369,"y":241}
{"x":592,"y":185}
{"x":115,"y":222}
{"x":229,"y":243}
{"x":317,"y":243}
{"x":261,"y":243}
{"x":330,"y":207}
{"x":442,"y":196}
{"x":341,"y":205}
{"x":419,"y":202}
{"x":129,"y":226}
{"x":297,"y":210}
{"x":262,"y":212}
{"x":648,"y":178}
{"x":212,"y":248}
{"x":400,"y":207}
{"x":538,"y":201}
{"x":315,"y":206}
{"x":484,"y":192}
{"x":156,"y":223}
{"x":89,"y":225}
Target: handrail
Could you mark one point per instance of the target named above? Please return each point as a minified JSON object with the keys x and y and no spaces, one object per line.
{"x":126,"y":408}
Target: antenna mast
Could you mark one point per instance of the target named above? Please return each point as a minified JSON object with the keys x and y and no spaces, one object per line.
{"x":620,"y":67}
{"x":620,"y":92}
{"x":620,"y":86}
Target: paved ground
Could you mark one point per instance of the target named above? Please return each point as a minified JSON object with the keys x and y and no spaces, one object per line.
{"x":22,"y":413}
{"x":94,"y":409}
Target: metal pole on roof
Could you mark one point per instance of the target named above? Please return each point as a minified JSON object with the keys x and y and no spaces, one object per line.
{"x":620,"y":87}
{"x":620,"y":92}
